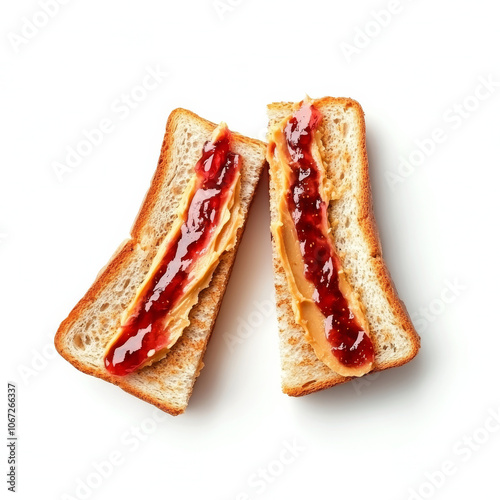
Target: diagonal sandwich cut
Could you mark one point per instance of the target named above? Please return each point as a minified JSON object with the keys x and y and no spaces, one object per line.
{"x":206,"y":227}
{"x":322,"y":299}
{"x":338,"y":311}
{"x":146,"y":321}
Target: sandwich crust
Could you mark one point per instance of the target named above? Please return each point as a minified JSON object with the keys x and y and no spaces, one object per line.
{"x":82,"y":337}
{"x":358,"y":244}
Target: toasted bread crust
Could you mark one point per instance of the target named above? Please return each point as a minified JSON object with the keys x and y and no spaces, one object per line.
{"x":122,"y":256}
{"x":165,"y":160}
{"x":370,"y":233}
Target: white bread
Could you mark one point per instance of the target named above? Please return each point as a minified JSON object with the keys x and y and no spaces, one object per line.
{"x":356,"y":239}
{"x":85,"y":333}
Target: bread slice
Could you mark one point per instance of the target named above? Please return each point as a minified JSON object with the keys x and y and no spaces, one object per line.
{"x":356,"y":239}
{"x":85,"y":333}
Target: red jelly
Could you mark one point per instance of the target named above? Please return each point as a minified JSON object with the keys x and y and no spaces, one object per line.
{"x":144,"y":331}
{"x":350,"y":344}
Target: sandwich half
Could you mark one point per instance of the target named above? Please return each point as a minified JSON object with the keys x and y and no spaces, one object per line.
{"x":338,"y":311}
{"x":145,"y":323}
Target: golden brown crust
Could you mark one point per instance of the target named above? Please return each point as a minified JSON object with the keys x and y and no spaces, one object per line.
{"x":119,"y":260}
{"x":165,"y":160}
{"x":371,"y":234}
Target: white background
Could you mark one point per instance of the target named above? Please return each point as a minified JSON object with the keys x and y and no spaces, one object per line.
{"x":438,"y":228}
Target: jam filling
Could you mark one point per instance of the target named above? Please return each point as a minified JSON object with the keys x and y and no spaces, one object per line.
{"x":144,"y":333}
{"x":350,"y":344}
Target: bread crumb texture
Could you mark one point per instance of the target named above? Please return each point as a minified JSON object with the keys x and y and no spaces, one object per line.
{"x":85,"y":333}
{"x":356,"y":238}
